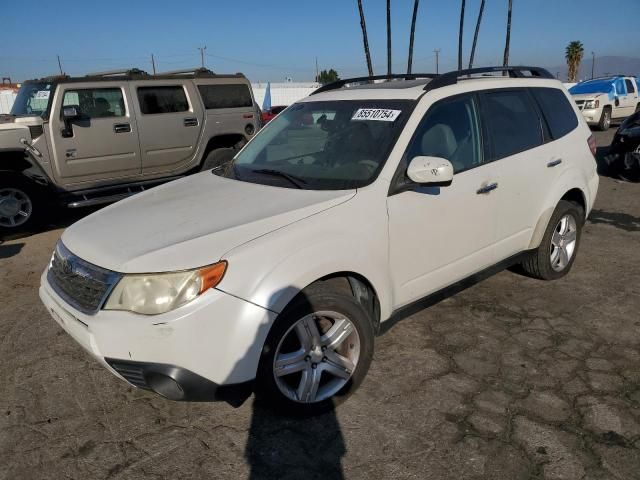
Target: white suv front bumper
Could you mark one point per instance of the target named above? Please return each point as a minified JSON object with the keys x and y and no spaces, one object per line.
{"x":217,"y":338}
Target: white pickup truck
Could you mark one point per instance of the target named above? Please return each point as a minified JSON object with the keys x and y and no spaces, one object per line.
{"x":608,"y":98}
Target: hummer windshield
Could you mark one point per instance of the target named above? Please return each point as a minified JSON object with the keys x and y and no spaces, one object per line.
{"x":33,"y":99}
{"x":331,"y":145}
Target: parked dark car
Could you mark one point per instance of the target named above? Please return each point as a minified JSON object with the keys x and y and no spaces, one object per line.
{"x":269,"y":114}
{"x":624,"y":155}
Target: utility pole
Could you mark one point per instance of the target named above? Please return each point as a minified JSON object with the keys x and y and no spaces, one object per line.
{"x":60,"y":65}
{"x":202,"y":49}
{"x":593,"y":64}
{"x":153,"y":64}
{"x":437,"y":52}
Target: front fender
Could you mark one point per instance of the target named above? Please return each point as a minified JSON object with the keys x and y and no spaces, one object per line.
{"x":271,"y":270}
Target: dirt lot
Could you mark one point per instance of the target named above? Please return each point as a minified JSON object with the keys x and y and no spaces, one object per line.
{"x":510,"y":379}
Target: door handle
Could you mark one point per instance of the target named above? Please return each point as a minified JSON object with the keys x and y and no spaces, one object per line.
{"x":122,"y":128}
{"x":487,"y":188}
{"x":191,"y":122}
{"x":554,"y":163}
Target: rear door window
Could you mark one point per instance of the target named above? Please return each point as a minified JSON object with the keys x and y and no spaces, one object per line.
{"x":96,"y":102}
{"x":630,"y":87}
{"x":225,"y":96}
{"x":169,"y":99}
{"x":557,"y":111}
{"x":511,"y":121}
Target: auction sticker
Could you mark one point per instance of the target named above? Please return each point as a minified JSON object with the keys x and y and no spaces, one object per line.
{"x":42,"y":94}
{"x":379,"y":114}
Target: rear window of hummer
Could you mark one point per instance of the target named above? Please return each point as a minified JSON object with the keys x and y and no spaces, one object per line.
{"x":225,"y":96}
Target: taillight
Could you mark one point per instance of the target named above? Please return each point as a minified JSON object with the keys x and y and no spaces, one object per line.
{"x":592,"y":144}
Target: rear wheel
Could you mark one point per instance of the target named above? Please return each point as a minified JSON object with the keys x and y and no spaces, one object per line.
{"x":554,"y":257}
{"x":317,"y":352}
{"x":605,"y":119}
{"x":217,"y":157}
{"x":19,"y":205}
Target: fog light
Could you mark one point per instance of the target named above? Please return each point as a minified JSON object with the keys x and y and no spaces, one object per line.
{"x":250,"y":129}
{"x":165,"y":386}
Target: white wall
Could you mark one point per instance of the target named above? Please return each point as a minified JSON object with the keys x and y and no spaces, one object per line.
{"x":7,"y":97}
{"x":283,"y":93}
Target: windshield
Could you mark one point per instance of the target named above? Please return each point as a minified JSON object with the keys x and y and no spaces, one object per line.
{"x":32,"y":99}
{"x":593,"y":86}
{"x":323,"y":145}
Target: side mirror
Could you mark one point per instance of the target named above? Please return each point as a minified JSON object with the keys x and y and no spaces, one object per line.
{"x":71,"y":112}
{"x":430,"y":171}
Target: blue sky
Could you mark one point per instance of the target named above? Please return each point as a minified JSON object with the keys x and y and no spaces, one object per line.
{"x":271,"y":40}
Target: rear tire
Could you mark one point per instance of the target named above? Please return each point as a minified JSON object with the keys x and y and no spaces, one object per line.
{"x":336,"y":353}
{"x":605,"y":119}
{"x":21,"y":204}
{"x":554,"y":257}
{"x":217,"y":157}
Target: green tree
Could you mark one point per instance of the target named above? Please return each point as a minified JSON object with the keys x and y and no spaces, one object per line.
{"x":327,"y":76}
{"x":573,"y":53}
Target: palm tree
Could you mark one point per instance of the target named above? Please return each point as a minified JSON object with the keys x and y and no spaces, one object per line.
{"x":505,"y":61}
{"x":475,"y":35}
{"x":363,"y":25}
{"x":388,"y":37}
{"x":460,"y":36}
{"x":573,"y":53}
{"x":413,"y":29}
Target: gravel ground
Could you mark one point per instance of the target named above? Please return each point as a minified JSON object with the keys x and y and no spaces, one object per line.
{"x":510,"y":379}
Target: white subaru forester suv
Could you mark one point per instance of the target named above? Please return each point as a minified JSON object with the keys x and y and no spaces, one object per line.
{"x":274,"y":272}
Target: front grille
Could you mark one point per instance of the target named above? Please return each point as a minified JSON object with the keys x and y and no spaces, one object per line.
{"x":83,"y":285}
{"x":131,"y":372}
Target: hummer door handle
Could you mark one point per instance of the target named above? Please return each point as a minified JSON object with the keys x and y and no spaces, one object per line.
{"x":122,"y":128}
{"x":190,"y":122}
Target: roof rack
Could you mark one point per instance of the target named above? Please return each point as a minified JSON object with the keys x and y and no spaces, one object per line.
{"x":118,"y":73}
{"x":396,"y":76}
{"x":197,"y":72}
{"x":451,"y":78}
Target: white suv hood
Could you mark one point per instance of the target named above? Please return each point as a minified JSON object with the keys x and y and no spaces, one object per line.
{"x":190,"y":223}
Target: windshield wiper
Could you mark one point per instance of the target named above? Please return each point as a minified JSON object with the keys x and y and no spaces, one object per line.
{"x":297,"y":181}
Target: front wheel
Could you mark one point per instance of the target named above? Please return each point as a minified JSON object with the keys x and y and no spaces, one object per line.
{"x":557,"y":251}
{"x":19,"y":206}
{"x":317,"y":353}
{"x":605,"y":119}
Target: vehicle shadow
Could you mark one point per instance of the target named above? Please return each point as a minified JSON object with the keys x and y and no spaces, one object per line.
{"x":284,"y":445}
{"x":8,"y":251}
{"x":622,"y":221}
{"x":56,"y":218}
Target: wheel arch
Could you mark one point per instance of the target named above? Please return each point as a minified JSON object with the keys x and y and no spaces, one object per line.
{"x":230,"y":140}
{"x":573,"y":194}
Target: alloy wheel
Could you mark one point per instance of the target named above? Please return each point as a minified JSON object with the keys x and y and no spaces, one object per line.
{"x":15,"y":207}
{"x":563,"y":242}
{"x":316,"y":357}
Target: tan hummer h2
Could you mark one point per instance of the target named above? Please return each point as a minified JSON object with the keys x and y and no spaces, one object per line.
{"x":96,"y":139}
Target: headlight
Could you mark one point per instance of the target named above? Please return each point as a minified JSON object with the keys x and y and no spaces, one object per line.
{"x":590,"y":104}
{"x":155,"y":293}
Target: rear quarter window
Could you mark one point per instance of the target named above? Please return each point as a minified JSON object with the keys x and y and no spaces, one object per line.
{"x":511,"y":121}
{"x":225,"y":96}
{"x":557,"y":111}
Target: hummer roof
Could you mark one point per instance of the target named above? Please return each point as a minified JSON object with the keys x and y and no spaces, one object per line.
{"x":137,"y":74}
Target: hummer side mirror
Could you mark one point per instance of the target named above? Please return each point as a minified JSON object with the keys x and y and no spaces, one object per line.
{"x":69,"y":114}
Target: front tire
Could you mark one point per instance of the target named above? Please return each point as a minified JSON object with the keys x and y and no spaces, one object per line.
{"x":317,"y":352}
{"x":554,"y":257}
{"x":605,"y":119}
{"x":20,"y":205}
